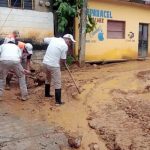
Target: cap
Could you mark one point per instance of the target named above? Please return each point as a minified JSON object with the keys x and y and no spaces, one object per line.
{"x":29,"y":48}
{"x":69,"y":36}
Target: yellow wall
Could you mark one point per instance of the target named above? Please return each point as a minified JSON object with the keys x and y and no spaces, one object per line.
{"x":110,"y":49}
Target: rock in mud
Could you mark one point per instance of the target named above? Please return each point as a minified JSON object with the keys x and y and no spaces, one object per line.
{"x":92,"y":124}
{"x":75,"y":95}
{"x":94,"y":146}
{"x":94,"y":65}
{"x":61,"y":147}
{"x":74,"y":141}
{"x":147,"y":88}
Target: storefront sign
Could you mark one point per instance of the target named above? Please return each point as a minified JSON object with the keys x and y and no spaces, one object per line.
{"x":99,"y":16}
{"x":100,"y":13}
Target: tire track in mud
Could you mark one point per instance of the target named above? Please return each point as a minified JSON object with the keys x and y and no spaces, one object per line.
{"x":96,"y":85}
{"x":123,"y":122}
{"x":117,"y":122}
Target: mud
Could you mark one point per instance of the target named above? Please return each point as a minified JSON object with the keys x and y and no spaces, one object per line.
{"x":144,"y":75}
{"x":112,"y":110}
{"x":124,"y":123}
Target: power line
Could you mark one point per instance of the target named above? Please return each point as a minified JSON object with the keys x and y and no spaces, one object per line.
{"x":7,"y":17}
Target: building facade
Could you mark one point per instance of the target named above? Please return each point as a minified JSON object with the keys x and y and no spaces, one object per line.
{"x":122,"y":31}
{"x":33,"y":18}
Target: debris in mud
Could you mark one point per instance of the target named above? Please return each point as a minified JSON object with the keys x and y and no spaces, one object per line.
{"x":131,"y":92}
{"x":118,"y":91}
{"x":94,"y":146}
{"x":124,"y":123}
{"x":74,"y":95}
{"x":144,"y":75}
{"x":43,"y":146}
{"x":147,"y":88}
{"x":74,"y":140}
{"x":92,"y":124}
{"x":62,"y":147}
{"x":3,"y":144}
{"x":94,"y":65}
{"x":36,"y":79}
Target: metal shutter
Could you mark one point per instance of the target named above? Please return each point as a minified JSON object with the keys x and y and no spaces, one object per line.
{"x":3,"y":3}
{"x":15,"y":3}
{"x":27,"y":4}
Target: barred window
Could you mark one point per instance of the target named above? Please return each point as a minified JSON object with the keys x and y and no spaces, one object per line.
{"x":23,"y":4}
{"x":15,"y":3}
{"x":4,"y":3}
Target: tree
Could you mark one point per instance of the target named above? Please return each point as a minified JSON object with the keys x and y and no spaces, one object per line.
{"x":82,"y":36}
{"x":67,"y":9}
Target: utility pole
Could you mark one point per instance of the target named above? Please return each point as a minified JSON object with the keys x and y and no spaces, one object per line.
{"x":82,"y":34}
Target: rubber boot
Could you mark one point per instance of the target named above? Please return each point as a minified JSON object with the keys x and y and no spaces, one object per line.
{"x":47,"y":90}
{"x":8,"y":79}
{"x":58,"y":97}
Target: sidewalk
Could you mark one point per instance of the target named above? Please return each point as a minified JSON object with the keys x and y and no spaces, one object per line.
{"x":19,"y":134}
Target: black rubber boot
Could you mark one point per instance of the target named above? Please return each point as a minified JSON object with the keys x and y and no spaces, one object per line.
{"x":47,"y":90}
{"x":8,"y":79}
{"x":58,"y":96}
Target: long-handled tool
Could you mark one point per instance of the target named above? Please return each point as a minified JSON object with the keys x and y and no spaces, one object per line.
{"x":72,"y":78}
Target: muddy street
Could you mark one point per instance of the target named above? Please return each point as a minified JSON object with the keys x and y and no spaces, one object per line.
{"x":112,"y":111}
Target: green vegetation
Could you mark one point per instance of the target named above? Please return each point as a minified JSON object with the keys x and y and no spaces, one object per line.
{"x":67,"y":9}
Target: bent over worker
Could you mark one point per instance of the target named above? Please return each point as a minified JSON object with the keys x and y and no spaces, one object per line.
{"x":10,"y":56}
{"x":14,"y":36}
{"x":56,"y":52}
{"x":26,"y":50}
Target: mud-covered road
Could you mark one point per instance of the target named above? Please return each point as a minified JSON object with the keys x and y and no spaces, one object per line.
{"x":111,"y":111}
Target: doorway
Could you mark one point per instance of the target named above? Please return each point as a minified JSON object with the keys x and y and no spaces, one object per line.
{"x":143,"y":40}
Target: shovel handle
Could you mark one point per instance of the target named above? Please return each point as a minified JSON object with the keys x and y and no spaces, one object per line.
{"x":72,"y":78}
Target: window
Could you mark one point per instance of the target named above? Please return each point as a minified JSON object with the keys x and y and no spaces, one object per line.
{"x":115,"y":29}
{"x":3,"y":3}
{"x":15,"y":3}
{"x":24,"y":4}
{"x":28,"y":4}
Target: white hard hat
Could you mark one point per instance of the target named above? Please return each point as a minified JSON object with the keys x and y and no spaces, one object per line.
{"x":7,"y":40}
{"x":29,"y":48}
{"x":69,"y":36}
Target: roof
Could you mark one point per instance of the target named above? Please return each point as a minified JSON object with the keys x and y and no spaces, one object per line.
{"x":138,"y":3}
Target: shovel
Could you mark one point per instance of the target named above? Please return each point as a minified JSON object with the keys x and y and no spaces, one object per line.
{"x":73,"y":79}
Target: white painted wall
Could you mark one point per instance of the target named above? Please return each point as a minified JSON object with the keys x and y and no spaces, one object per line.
{"x":30,"y":23}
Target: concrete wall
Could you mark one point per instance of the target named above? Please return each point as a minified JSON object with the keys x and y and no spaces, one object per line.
{"x":31,"y":24}
{"x":110,"y":49}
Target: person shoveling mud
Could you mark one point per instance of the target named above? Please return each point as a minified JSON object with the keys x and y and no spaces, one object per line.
{"x":56,"y":52}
